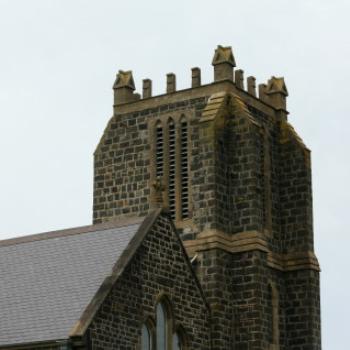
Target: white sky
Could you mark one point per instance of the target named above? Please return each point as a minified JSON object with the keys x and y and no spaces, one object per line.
{"x":58,"y":61}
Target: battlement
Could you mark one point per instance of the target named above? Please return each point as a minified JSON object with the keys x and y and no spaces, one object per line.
{"x":272,"y":93}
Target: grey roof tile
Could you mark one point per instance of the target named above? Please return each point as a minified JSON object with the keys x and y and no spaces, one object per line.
{"x":46,"y":281}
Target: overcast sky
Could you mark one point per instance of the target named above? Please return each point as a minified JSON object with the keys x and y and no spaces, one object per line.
{"x":58,"y":61}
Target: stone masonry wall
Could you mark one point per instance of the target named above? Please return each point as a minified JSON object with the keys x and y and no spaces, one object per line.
{"x":295,"y":193}
{"x":123,"y":161}
{"x":237,"y":290}
{"x":228,"y":177}
{"x":302,"y":309}
{"x":121,"y":169}
{"x":159,"y":267}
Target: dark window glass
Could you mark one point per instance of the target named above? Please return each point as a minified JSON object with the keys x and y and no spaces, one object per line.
{"x":146,"y":338}
{"x":161,"y":328}
{"x":176,"y":342}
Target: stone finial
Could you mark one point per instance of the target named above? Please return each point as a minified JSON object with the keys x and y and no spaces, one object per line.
{"x":124,"y":87}
{"x":251,"y":86}
{"x":170,"y":83}
{"x":196,"y":77}
{"x":277,"y":85}
{"x":124,"y":79}
{"x":223,"y":55}
{"x":239,"y":78}
{"x":159,"y":188}
{"x":262,"y":92}
{"x":223,"y":63}
{"x":146,"y":88}
{"x":277,"y":91}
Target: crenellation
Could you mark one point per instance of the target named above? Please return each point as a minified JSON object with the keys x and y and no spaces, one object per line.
{"x":239,"y":78}
{"x":170,"y":83}
{"x":251,"y":86}
{"x":262,"y":92}
{"x":146,"y":88}
{"x":196,"y":77}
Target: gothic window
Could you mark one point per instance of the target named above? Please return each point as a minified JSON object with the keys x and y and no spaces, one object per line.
{"x":163,"y":327}
{"x":161,"y":335}
{"x":148,"y":335}
{"x":146,"y":341}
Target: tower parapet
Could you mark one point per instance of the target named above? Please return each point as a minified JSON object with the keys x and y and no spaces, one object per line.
{"x":274,"y":93}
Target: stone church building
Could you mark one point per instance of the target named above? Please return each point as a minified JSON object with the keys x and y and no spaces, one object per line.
{"x":202,"y":234}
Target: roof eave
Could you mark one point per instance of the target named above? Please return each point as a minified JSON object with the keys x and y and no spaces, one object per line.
{"x":37,"y":345}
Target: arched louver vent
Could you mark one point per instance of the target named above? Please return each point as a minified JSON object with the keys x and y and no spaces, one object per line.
{"x":159,"y":150}
{"x":172,"y":167}
{"x":184,"y":169}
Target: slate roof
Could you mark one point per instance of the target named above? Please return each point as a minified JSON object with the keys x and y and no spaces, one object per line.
{"x":47,"y":280}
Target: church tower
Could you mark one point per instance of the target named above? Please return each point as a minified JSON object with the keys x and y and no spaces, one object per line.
{"x":236,"y":180}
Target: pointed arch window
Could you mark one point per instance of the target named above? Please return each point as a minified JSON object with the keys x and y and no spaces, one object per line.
{"x":146,"y":340}
{"x":148,"y":335}
{"x":160,"y":335}
{"x":161,"y":328}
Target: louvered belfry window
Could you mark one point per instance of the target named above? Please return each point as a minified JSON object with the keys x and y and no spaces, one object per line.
{"x":184,"y":169}
{"x":171,"y":164}
{"x":159,"y":150}
{"x":172,"y":169}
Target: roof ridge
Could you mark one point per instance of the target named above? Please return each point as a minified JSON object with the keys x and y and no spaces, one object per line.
{"x":128,"y":221}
